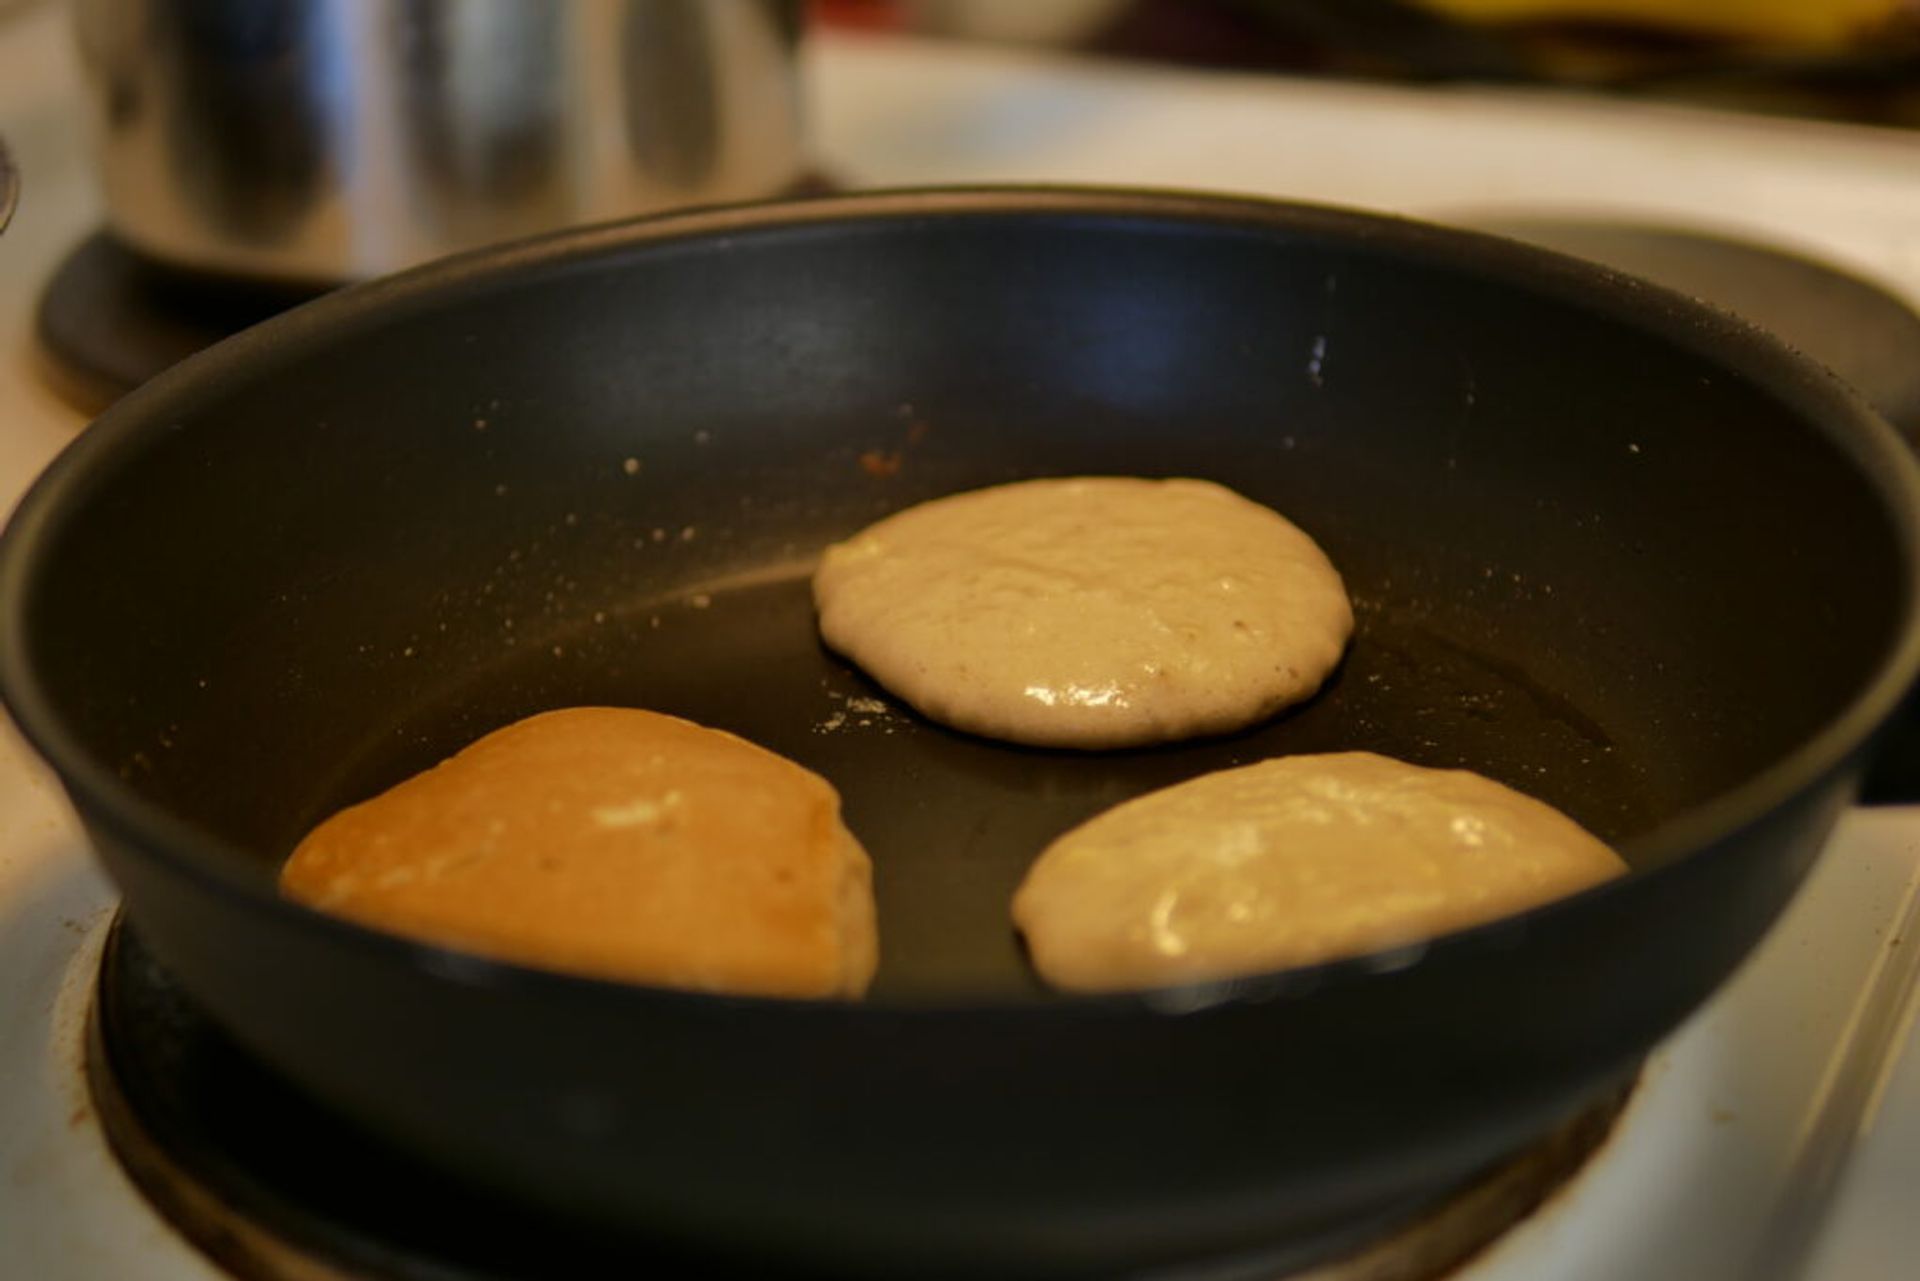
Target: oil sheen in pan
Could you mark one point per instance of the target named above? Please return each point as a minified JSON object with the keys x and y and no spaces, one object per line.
{"x":953,"y":821}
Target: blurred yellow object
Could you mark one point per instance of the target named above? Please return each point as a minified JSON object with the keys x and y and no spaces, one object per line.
{"x":1797,"y":22}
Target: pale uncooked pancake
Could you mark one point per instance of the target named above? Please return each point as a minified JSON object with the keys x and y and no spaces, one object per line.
{"x":616,"y":843}
{"x":1288,"y":862}
{"x":1089,"y":612}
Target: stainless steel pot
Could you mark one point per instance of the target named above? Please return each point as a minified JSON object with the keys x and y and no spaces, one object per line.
{"x":327,"y":140}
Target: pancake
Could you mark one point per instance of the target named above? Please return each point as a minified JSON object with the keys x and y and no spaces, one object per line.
{"x":1289,"y":862}
{"x":1092,"y":612}
{"x":615,"y":843}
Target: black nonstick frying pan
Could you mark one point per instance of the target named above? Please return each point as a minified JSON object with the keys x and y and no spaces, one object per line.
{"x":1606,"y":545}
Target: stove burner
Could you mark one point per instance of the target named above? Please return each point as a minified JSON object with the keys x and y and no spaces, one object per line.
{"x":111,"y":318}
{"x":272,"y":1188}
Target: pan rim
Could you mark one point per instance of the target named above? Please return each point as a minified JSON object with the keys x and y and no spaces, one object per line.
{"x":1821,"y":399}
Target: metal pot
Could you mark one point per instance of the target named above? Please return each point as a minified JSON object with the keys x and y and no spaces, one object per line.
{"x":329,"y":140}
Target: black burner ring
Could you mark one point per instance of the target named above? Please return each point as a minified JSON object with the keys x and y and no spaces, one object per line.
{"x":109,"y":319}
{"x":272,"y":1187}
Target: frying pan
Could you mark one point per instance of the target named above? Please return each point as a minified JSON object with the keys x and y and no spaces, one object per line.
{"x":1606,"y":545}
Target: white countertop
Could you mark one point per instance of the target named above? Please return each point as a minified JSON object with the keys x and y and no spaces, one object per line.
{"x":1758,"y":1109}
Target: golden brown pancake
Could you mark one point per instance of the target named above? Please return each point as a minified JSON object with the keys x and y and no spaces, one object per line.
{"x":616,"y":843}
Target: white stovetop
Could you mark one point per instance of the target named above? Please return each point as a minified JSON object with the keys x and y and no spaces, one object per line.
{"x":1777,"y":1136}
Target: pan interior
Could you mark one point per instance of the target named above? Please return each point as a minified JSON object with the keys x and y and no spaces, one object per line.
{"x":954,"y":820}
{"x":1587,"y":561}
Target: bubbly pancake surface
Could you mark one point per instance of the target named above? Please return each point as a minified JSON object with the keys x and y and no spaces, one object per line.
{"x":1288,"y":862}
{"x":616,"y":843}
{"x":1088,"y":612}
